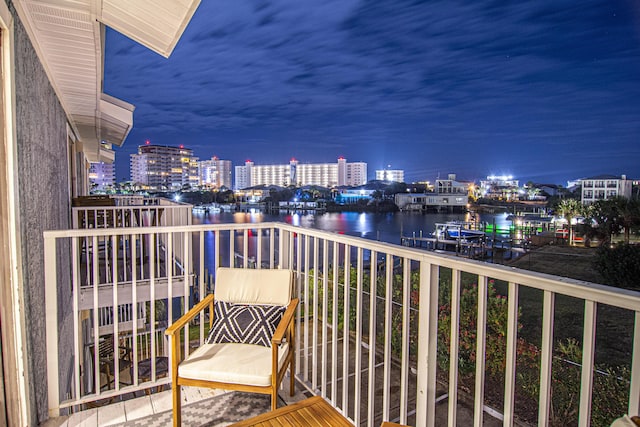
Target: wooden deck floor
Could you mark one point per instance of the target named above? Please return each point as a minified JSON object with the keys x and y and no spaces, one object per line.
{"x":145,"y":406}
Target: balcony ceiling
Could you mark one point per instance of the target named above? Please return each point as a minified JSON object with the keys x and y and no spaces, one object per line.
{"x":68,"y":36}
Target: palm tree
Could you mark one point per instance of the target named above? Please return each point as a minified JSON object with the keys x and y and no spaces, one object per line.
{"x":629,"y":215}
{"x":532,"y":192}
{"x":601,"y":213}
{"x":615,"y":216}
{"x":620,"y":214}
{"x":569,"y":209}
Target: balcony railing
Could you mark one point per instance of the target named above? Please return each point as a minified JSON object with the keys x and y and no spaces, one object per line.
{"x":382,"y":329}
{"x":132,"y":211}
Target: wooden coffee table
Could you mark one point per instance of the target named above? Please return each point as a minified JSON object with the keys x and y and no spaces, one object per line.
{"x":314,"y":411}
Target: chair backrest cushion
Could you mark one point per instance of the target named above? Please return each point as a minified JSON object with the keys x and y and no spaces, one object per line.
{"x":254,"y":286}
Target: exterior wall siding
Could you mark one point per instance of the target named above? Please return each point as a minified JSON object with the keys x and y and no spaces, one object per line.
{"x":44,"y":200}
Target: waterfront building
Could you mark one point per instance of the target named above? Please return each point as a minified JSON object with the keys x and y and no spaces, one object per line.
{"x":548,"y":189}
{"x":603,"y":187}
{"x":500,"y":187}
{"x":448,"y":194}
{"x":452,"y":186}
{"x":215,"y":173}
{"x":282,"y":175}
{"x":301,"y":174}
{"x":351,"y":174}
{"x":431,"y":201}
{"x":102,"y":176}
{"x":161,"y":167}
{"x":428,"y":185}
{"x":256,"y":194}
{"x":349,"y":196}
{"x":390,"y":175}
{"x":241,"y":174}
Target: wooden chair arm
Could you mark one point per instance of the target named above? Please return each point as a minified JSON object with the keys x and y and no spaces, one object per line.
{"x":189,"y":315}
{"x":286,"y":320}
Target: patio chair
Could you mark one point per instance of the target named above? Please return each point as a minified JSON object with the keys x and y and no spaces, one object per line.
{"x":626,"y":421}
{"x":106,"y":359}
{"x":251,"y":342}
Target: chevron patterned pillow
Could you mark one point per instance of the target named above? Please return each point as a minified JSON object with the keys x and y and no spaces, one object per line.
{"x":246,"y":324}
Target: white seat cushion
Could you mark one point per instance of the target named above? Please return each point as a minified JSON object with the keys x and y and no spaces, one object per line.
{"x":247,"y":364}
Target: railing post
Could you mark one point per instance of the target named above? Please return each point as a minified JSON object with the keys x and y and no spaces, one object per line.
{"x":512,"y":341}
{"x":406,"y":326}
{"x":427,"y":342}
{"x":284,"y":246}
{"x":588,"y":356}
{"x":546,"y":359}
{"x":634,"y":393}
{"x":454,"y":349}
{"x":51,"y":307}
{"x":481,"y":350}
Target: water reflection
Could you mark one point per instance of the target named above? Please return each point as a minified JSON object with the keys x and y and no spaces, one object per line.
{"x":386,"y":227}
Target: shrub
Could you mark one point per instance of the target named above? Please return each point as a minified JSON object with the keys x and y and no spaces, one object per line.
{"x":496,"y":341}
{"x":610,"y":384}
{"x":565,"y":383}
{"x":610,"y":388}
{"x":619,"y":266}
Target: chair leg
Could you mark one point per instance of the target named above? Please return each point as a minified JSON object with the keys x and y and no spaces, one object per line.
{"x":176,"y":404}
{"x":274,"y":399}
{"x":292,"y":369}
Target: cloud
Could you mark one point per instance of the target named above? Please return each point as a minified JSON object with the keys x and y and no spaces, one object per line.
{"x":366,"y":75}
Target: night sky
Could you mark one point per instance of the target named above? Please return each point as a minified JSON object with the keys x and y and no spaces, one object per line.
{"x":545,"y":90}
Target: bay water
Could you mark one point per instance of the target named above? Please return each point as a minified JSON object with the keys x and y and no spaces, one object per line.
{"x":384,"y":227}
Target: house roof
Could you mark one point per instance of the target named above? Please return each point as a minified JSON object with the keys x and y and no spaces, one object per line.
{"x":603,"y":177}
{"x":68,"y":36}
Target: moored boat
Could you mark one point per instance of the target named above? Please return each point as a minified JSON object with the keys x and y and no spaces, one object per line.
{"x":207,"y":208}
{"x":457,"y":230}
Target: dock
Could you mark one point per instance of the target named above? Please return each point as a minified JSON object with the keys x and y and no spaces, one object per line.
{"x":489,"y":247}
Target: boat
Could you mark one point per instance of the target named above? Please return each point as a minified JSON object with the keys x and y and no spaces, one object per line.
{"x":207,"y":208}
{"x":457,"y":230}
{"x":530,"y":219}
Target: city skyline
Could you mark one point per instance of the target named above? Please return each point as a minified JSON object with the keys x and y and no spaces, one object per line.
{"x":545,"y":91}
{"x":394,"y":173}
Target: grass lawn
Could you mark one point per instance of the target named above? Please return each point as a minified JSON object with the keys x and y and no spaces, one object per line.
{"x":614,"y":326}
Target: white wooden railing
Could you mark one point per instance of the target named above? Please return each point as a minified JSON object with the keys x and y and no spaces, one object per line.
{"x":381,"y":363}
{"x":133,"y":211}
{"x":125,"y":317}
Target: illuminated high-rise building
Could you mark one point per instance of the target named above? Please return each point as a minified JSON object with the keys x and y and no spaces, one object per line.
{"x":215,"y":173}
{"x":301,"y":174}
{"x":390,"y":175}
{"x":160,"y":167}
{"x":101,"y":175}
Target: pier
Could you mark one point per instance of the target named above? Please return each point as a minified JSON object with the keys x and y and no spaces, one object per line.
{"x":481,"y":249}
{"x":493,"y":244}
